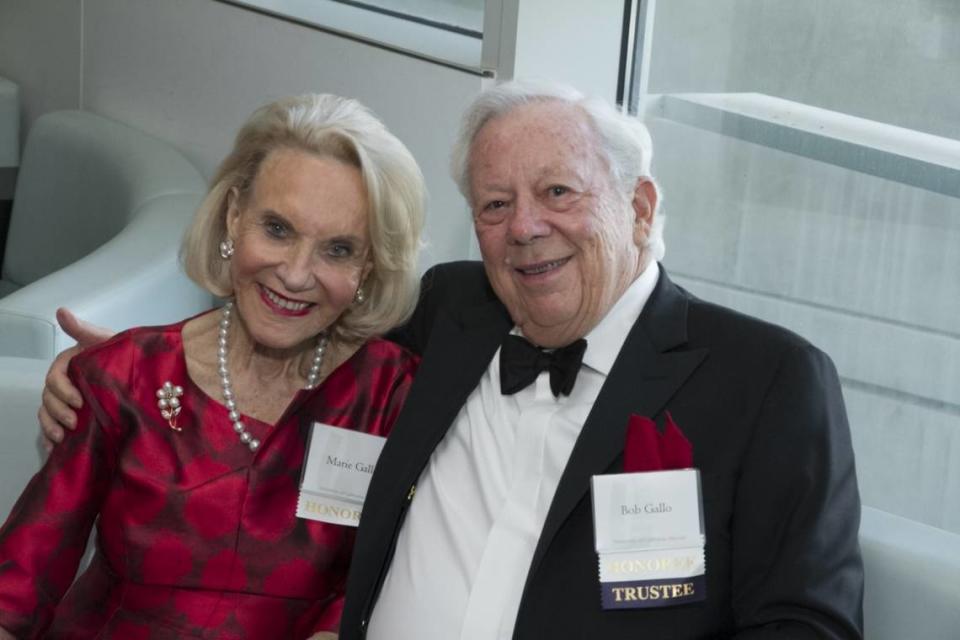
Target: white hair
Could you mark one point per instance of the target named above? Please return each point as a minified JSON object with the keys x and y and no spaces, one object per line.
{"x":623,"y":140}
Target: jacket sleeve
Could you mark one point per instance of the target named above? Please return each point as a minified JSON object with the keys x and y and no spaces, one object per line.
{"x":414,"y":333}
{"x":797,"y":571}
{"x":44,"y":538}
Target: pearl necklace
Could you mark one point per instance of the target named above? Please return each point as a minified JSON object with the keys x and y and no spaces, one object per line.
{"x":227,"y":386}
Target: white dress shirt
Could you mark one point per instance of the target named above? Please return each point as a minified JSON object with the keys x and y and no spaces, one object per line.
{"x":464,"y":551}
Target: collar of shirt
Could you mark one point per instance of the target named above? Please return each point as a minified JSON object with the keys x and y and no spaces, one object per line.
{"x":606,"y":339}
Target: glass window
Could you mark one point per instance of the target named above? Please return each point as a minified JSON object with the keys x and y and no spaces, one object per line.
{"x":457,"y":15}
{"x":445,"y":31}
{"x":809,"y":156}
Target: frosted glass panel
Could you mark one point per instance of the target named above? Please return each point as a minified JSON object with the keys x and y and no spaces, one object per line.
{"x":865,"y":267}
{"x":446,"y":31}
{"x":461,"y":14}
{"x":893,"y":62}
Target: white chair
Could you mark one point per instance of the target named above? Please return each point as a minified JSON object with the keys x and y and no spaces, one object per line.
{"x":20,"y":382}
{"x":98,"y":213}
{"x":912,"y":579}
{"x":99,"y":210}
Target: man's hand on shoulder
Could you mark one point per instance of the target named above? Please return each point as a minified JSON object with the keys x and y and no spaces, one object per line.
{"x":60,"y":398}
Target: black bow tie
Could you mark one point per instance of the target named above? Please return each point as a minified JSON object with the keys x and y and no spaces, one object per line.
{"x":521,"y":362}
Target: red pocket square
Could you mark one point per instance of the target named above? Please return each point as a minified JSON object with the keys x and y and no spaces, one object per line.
{"x":649,"y":450}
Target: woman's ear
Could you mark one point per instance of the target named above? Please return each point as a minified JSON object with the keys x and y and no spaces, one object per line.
{"x":233,"y":212}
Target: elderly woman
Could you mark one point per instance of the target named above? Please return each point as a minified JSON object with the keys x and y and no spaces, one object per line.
{"x":189,"y":446}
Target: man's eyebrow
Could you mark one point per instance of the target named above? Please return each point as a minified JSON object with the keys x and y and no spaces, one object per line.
{"x":492,"y":186}
{"x":558,"y":171}
{"x":550,"y":172}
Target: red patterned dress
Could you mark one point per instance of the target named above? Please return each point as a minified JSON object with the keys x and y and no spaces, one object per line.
{"x":197,"y":536}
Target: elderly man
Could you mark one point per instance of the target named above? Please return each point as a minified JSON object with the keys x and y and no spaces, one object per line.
{"x":479,"y":521}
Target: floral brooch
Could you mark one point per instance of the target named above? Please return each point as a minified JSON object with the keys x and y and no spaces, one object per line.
{"x":168,"y":400}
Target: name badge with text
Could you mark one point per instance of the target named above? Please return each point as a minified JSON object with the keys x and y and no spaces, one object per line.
{"x":336,"y":474}
{"x":649,"y":537}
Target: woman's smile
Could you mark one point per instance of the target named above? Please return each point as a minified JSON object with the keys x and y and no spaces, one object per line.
{"x":283,"y":305}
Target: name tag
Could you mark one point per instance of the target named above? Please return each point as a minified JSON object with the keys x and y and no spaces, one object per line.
{"x":649,"y":538}
{"x":337,"y":473}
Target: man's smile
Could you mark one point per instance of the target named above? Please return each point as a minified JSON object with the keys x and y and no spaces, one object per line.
{"x":541,"y":267}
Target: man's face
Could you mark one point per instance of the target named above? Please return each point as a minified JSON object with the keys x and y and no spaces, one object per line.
{"x":560,"y":241}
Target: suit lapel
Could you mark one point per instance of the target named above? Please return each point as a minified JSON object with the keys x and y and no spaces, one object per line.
{"x":461,"y":346}
{"x":649,"y":369}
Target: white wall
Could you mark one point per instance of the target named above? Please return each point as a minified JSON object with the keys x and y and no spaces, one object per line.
{"x":190,"y":71}
{"x":40,"y":50}
{"x":48,"y":76}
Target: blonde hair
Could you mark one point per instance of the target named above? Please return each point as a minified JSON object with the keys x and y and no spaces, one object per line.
{"x":340,"y":128}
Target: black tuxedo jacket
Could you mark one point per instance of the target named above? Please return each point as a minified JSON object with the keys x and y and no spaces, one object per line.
{"x":764,"y":413}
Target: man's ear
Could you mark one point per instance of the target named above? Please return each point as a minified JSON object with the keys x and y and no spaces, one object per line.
{"x":644,"y":209}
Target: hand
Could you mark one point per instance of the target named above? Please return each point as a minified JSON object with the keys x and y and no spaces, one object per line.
{"x":60,"y":398}
{"x":6,"y":635}
{"x":323,"y":635}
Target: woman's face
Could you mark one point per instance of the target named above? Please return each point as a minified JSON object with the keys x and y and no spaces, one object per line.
{"x":302,"y":246}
